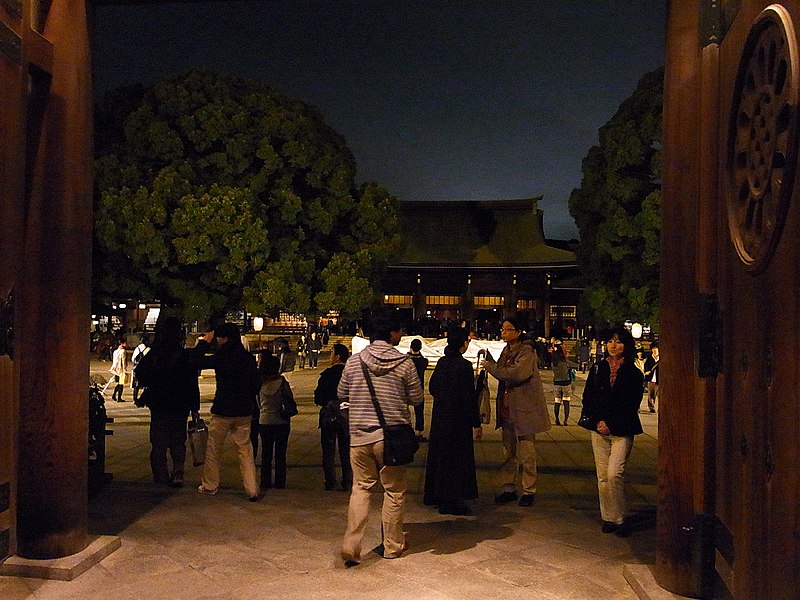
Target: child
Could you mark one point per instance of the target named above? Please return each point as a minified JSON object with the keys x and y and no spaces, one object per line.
{"x":276,"y":406}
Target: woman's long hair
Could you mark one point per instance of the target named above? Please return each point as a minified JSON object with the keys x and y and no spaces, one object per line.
{"x":169,"y":336}
{"x":269,"y":365}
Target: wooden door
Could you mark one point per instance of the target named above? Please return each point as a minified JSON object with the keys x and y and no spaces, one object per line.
{"x":757,"y":446}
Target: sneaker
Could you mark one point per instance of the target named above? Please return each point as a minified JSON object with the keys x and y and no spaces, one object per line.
{"x":505,"y":498}
{"x":203,"y":490}
{"x":255,"y":498}
{"x":527,"y":500}
{"x":350,"y":561}
{"x":609,"y":527}
{"x":176,"y":481}
{"x":623,"y":530}
{"x":421,"y":439}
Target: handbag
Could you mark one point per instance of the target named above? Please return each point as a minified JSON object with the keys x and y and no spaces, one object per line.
{"x":198,"y":440}
{"x":587,"y":422}
{"x":399,"y":441}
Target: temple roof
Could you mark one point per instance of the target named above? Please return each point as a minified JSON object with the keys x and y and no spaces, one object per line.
{"x":485,"y":233}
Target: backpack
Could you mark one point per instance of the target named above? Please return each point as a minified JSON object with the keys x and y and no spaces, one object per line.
{"x":145,"y":370}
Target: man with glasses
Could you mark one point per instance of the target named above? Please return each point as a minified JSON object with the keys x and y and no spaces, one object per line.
{"x":521,"y":412}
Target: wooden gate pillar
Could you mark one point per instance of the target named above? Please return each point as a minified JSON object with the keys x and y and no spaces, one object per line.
{"x":53,"y":304}
{"x":680,"y":458}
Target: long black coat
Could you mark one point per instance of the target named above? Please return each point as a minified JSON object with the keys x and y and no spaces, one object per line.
{"x":450,"y":469}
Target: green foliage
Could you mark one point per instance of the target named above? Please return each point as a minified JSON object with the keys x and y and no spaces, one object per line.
{"x":618,"y":211}
{"x":216,"y":192}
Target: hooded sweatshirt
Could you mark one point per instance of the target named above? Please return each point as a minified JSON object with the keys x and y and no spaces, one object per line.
{"x":396,"y":384}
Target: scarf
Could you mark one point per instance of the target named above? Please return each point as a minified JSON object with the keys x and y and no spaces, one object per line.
{"x":614,"y":363}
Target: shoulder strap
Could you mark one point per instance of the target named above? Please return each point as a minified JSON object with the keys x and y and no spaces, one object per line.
{"x":372,"y":393}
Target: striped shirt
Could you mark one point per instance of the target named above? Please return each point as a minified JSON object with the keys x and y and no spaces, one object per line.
{"x":396,"y":384}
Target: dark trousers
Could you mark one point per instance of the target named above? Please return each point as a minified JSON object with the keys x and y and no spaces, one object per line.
{"x":167,"y":433}
{"x":419,"y":416}
{"x":330,"y":435}
{"x":313,"y":359}
{"x":274,"y":441}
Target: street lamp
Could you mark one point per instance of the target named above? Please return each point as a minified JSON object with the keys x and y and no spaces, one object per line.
{"x":636,"y":330}
{"x":258,"y":325}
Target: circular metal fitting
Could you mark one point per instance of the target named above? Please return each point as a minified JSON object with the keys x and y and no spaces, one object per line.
{"x":762,"y":142}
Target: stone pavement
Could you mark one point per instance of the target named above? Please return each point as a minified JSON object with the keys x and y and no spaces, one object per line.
{"x":179,"y":544}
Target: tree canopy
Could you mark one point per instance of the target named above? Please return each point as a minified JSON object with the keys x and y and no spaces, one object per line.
{"x":618,"y":210}
{"x":216,"y":192}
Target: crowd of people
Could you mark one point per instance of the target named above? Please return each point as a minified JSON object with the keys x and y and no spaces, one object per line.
{"x":254,"y":402}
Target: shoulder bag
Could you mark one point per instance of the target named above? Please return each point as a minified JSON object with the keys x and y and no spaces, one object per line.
{"x":399,"y":441}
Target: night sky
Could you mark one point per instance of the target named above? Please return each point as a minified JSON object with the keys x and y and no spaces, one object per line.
{"x":438,"y":100}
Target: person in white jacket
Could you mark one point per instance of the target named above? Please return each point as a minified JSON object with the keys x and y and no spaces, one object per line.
{"x":397,"y":385}
{"x":119,"y":368}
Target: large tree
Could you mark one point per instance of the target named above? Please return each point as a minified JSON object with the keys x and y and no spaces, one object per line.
{"x":216,"y":192}
{"x":618,"y":210}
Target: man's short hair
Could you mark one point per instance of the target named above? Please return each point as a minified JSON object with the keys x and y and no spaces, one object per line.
{"x":227,"y":330}
{"x":382,"y":322}
{"x":416,"y":344}
{"x":341,"y":351}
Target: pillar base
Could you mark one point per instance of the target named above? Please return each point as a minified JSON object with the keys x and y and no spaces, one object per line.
{"x":643,"y":583}
{"x":62,"y":569}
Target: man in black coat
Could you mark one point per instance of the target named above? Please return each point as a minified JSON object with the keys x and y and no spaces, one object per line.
{"x":234,"y":400}
{"x":333,"y":422}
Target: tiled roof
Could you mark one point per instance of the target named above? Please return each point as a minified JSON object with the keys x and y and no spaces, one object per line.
{"x":487,"y":233}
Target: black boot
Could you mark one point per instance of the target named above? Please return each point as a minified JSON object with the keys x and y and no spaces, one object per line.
{"x":557,"y":410}
{"x":566,"y":412}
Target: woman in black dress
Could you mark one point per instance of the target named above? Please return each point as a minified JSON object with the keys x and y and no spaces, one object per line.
{"x":450,"y":471}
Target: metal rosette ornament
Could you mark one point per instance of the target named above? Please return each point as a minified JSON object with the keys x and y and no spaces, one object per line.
{"x":762,"y":144}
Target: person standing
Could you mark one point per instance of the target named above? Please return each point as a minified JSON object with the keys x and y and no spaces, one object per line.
{"x":119,"y":368}
{"x":521,"y":412}
{"x":450,"y":477}
{"x":314,"y":347}
{"x":396,"y":385}
{"x":651,"y":376}
{"x":611,"y":400}
{"x":274,"y":426}
{"x":169,"y":374}
{"x":333,"y":427}
{"x":231,"y":412}
{"x":421,"y":363}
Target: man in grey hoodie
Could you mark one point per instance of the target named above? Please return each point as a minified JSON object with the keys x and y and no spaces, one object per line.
{"x":397,"y":385}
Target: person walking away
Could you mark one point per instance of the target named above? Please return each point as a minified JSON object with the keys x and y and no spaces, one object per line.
{"x":138,"y":353}
{"x":421,"y":363}
{"x":168,"y":372}
{"x":562,"y":385}
{"x":302,"y":351}
{"x":651,"y":376}
{"x":521,"y":412}
{"x":273,"y":424}
{"x":119,"y":369}
{"x":611,"y":400}
{"x":396,"y":385}
{"x":231,"y":411}
{"x":333,"y":426}
{"x":450,"y":477}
